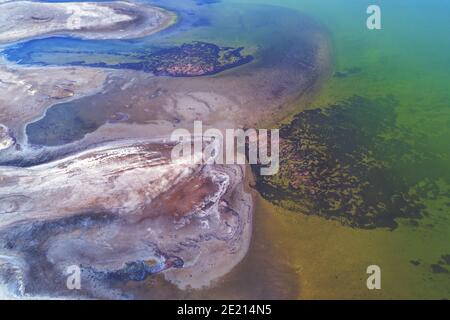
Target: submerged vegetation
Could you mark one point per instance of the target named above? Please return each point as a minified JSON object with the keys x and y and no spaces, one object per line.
{"x":339,"y":163}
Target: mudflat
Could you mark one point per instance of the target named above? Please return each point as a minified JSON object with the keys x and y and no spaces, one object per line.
{"x":21,"y":20}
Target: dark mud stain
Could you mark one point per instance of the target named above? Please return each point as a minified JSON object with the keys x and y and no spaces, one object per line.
{"x":346,"y":163}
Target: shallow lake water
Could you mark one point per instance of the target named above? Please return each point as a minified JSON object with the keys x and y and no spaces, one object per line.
{"x":293,"y":255}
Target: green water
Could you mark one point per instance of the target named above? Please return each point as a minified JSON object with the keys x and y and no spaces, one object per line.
{"x":408,"y":61}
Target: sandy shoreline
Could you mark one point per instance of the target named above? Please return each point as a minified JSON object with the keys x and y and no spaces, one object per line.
{"x":23,"y":20}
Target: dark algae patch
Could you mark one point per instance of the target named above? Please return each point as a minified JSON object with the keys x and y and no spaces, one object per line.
{"x":442,"y":266}
{"x":445,"y":259}
{"x":342,"y":163}
{"x":415,"y":262}
{"x":347,"y":73}
{"x":437,"y":268}
{"x":187,"y":60}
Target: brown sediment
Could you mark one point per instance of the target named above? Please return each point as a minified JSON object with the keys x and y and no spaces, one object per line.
{"x":213,"y":262}
{"x":88,"y":203}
